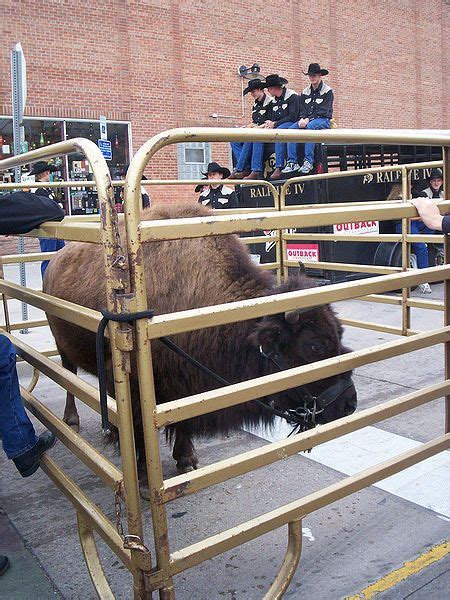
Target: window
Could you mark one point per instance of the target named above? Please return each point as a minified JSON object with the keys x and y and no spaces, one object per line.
{"x":193,"y":158}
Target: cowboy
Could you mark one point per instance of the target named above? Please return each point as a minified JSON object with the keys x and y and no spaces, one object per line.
{"x":41,"y":171}
{"x":251,"y":153}
{"x":316,"y":110}
{"x":435,"y":186}
{"x":284,"y":113}
{"x":217,"y":195}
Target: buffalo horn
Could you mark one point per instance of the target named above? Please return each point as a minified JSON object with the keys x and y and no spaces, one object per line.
{"x":292,"y":316}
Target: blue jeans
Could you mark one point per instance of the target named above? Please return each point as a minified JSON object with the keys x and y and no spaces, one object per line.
{"x":16,"y":429}
{"x":309,"y":147}
{"x":419,"y":249}
{"x":247,"y":155}
{"x":280,"y":147}
{"x":49,"y":245}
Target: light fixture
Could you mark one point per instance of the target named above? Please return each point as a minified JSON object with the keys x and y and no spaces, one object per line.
{"x":249,"y":72}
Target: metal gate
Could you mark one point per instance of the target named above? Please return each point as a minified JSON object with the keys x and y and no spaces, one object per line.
{"x":126,"y":292}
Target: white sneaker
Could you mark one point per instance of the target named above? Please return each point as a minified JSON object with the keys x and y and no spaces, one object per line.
{"x":424,"y":288}
{"x":291,"y":167}
{"x":306,"y":167}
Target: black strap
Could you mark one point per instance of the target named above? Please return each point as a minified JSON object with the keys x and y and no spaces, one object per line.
{"x":294,"y":416}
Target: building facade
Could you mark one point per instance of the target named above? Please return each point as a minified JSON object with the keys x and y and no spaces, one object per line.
{"x":151,"y":65}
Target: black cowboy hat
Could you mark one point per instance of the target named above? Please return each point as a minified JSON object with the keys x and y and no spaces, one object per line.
{"x":214,"y":167}
{"x":436,"y":174}
{"x":275,"y":80}
{"x":41,"y":167}
{"x":314,"y":69}
{"x":254,"y":84}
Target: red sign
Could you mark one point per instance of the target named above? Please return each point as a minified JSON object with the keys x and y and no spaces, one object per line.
{"x":304,"y":252}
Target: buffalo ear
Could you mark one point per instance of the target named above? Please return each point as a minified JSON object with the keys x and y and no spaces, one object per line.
{"x":266,"y":334}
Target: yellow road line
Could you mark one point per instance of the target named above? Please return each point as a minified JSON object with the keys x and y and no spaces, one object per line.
{"x":409,"y":568}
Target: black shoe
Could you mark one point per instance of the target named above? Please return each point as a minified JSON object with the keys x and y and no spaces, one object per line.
{"x":28,"y":463}
{"x":4,"y":564}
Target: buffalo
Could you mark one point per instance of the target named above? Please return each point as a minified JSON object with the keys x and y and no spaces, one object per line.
{"x":189,"y":274}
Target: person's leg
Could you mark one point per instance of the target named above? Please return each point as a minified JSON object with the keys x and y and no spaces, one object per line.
{"x":236,"y":148}
{"x":244,"y":158}
{"x":257,"y":157}
{"x":310,"y":147}
{"x":292,"y":146}
{"x":419,"y":249}
{"x":16,"y":430}
{"x":20,"y":442}
{"x":280,"y":147}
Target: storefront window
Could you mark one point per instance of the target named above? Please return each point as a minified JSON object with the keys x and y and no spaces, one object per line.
{"x":42,"y":132}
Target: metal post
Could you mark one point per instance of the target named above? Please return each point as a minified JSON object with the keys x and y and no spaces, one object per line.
{"x":446,"y":171}
{"x":406,"y":309}
{"x":19,"y":93}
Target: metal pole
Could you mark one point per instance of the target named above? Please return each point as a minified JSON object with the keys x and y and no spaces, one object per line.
{"x":406,"y":309}
{"x":446,"y":165}
{"x":18,"y":74}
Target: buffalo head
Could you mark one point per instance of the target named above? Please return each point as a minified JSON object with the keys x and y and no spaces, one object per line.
{"x":301,"y":337}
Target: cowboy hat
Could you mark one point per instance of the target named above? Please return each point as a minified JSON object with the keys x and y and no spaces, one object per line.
{"x":436,"y":174}
{"x":314,"y":69}
{"x":41,"y":167}
{"x":254,"y":84}
{"x":275,"y":81}
{"x":214,"y":167}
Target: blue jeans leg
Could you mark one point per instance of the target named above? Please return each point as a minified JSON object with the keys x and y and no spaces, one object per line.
{"x":292,"y":146}
{"x":257,"y":156}
{"x":244,"y":158}
{"x":49,"y":245}
{"x":419,"y":249}
{"x":236,"y":148}
{"x":16,"y":429}
{"x":280,"y":147}
{"x":315,"y":124}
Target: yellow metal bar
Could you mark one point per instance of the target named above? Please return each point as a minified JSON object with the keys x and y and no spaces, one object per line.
{"x":413,"y":302}
{"x":406,"y":195}
{"x":90,"y":511}
{"x":66,"y":379}
{"x":221,"y":471}
{"x":196,"y":553}
{"x":11,"y":259}
{"x":78,"y":315}
{"x":290,"y":562}
{"x":98,"y":464}
{"x":341,"y":237}
{"x":28,"y":324}
{"x":224,"y":397}
{"x":446,"y":174}
{"x":195,"y":227}
{"x":376,"y":327}
{"x":92,"y":558}
{"x":72,"y":231}
{"x":221,"y":314}
{"x":352,"y":267}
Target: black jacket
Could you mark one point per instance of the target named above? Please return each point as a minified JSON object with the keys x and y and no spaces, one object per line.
{"x":315,"y":104}
{"x":446,"y":224}
{"x":261,"y":110}
{"x":220,"y":197}
{"x":20,"y":212}
{"x":285,"y":108}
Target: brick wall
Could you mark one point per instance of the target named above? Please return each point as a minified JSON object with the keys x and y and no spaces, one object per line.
{"x":163,"y":64}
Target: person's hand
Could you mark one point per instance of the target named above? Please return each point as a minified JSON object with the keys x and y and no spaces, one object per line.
{"x":269,"y":125}
{"x":428,"y":212}
{"x":303,"y":123}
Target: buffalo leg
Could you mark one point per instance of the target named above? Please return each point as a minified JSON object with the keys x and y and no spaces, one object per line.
{"x":184,"y":451}
{"x":70,"y":411}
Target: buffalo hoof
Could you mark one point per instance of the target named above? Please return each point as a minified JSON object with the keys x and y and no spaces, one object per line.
{"x":187,"y":465}
{"x":73,"y":423}
{"x":144,"y":492}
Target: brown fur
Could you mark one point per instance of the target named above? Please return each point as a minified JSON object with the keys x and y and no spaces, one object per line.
{"x":189,"y":274}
